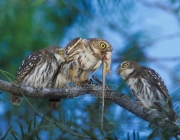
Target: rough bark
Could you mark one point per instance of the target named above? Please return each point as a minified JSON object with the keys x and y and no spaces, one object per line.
{"x":90,"y":90}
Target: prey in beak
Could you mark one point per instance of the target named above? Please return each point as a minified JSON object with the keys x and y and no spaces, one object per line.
{"x":106,"y":68}
{"x":107,"y":60}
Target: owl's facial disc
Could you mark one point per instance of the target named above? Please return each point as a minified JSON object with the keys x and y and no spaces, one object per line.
{"x":124,"y":73}
{"x":124,"y":70}
{"x":107,"y":58}
{"x":63,"y":57}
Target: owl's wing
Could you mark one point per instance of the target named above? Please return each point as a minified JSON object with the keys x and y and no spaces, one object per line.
{"x":74,"y":48}
{"x":28,"y":65}
{"x":158,"y":82}
{"x":71,"y":44}
{"x":96,"y":66}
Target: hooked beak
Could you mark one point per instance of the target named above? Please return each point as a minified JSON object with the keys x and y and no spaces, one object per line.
{"x":107,"y":58}
{"x":118,"y":71}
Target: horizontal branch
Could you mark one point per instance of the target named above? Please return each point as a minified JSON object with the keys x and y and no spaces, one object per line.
{"x":92,"y":90}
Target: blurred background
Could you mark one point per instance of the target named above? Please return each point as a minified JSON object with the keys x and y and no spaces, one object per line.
{"x":147,"y":31}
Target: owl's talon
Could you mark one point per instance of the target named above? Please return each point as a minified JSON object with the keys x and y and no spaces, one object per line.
{"x":75,"y":80}
{"x":38,"y":88}
{"x":84,"y":85}
{"x":148,"y":111}
{"x":50,"y":84}
{"x":90,"y":81}
{"x":139,"y":103}
{"x":126,"y":97}
{"x":66,"y":86}
{"x":17,"y":85}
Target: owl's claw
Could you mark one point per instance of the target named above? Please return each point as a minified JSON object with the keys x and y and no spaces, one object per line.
{"x":126,"y":97}
{"x":66,"y":86}
{"x":38,"y":88}
{"x":17,"y":85}
{"x":50,"y":84}
{"x":90,"y":81}
{"x":75,"y":80}
{"x":139,"y":103}
{"x":148,"y":111}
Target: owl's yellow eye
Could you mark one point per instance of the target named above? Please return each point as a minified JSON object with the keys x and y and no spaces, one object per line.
{"x":62,"y":51}
{"x":102,"y":45}
{"x":125,"y":65}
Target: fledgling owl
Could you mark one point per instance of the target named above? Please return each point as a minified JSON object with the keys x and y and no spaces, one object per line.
{"x":85,"y":56}
{"x":148,"y":87}
{"x":39,"y":69}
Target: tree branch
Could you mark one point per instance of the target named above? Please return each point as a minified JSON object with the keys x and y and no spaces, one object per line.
{"x":92,"y":90}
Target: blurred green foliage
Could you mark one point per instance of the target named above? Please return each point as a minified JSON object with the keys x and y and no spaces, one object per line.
{"x":29,"y":25}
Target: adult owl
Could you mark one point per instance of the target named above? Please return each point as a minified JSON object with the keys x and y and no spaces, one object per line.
{"x":85,"y":56}
{"x":148,"y":87}
{"x":39,"y":69}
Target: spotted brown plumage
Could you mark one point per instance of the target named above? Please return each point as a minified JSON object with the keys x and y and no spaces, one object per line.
{"x":39,"y":68}
{"x":85,"y":56}
{"x":148,"y":87}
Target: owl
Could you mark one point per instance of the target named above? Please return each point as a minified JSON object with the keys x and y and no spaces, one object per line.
{"x":85,"y":56}
{"x":148,"y":87}
{"x":39,"y":69}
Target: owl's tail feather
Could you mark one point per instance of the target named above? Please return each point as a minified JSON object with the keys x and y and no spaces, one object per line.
{"x":175,"y":116}
{"x":54,"y":103}
{"x":16,"y":100}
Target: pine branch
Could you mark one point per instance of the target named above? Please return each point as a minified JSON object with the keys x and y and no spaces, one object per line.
{"x":92,"y":90}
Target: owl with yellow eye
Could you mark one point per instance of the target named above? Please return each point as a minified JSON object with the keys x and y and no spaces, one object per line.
{"x":148,"y":87}
{"x":85,"y":56}
{"x":39,"y":69}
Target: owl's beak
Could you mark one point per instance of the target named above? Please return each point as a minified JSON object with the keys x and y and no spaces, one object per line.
{"x":107,"y":58}
{"x":118,"y":71}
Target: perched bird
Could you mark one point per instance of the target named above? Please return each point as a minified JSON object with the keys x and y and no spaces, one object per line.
{"x":39,"y":69}
{"x":85,"y":56}
{"x":148,"y":87}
